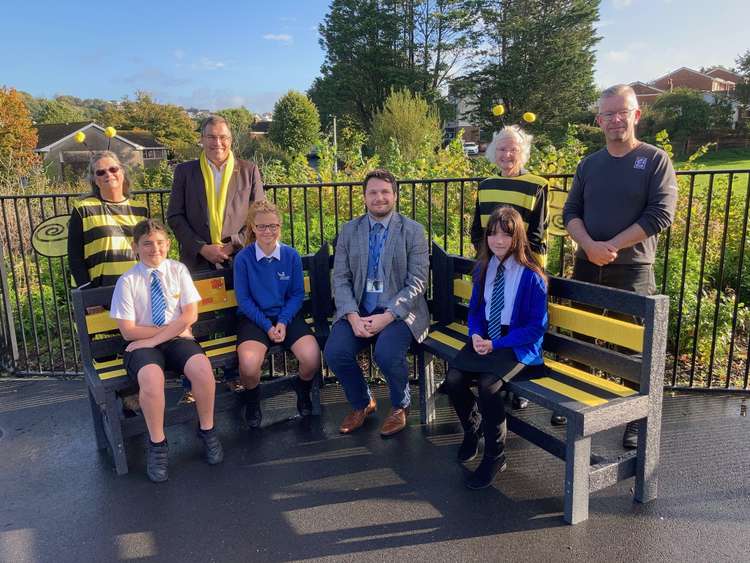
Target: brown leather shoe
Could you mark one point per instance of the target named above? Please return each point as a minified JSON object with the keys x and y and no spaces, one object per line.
{"x":355,"y":419}
{"x":394,"y":422}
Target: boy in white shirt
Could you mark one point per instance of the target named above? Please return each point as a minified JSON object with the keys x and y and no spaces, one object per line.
{"x":155,"y":303}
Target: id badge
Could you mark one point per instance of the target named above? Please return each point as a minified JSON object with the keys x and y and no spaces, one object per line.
{"x":374,"y":285}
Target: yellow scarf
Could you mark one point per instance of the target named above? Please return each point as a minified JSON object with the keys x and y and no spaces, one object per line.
{"x":216,"y":203}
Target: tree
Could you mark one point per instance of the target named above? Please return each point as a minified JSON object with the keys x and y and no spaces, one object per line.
{"x":59,"y":111}
{"x":407,"y":119}
{"x":241,"y":121}
{"x":742,"y":89}
{"x":538,"y":56}
{"x":296,"y":123}
{"x":682,"y":112}
{"x":375,"y":46}
{"x":17,"y":134}
{"x":168,"y":123}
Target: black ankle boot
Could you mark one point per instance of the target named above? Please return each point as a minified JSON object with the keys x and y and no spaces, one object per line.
{"x":157,"y":461}
{"x":212,"y":446}
{"x":253,"y":414}
{"x":304,"y":402}
{"x":469,"y":447}
{"x":486,"y":472}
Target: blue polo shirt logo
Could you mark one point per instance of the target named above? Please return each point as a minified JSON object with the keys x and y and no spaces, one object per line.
{"x":283,"y":276}
{"x":640,"y":163}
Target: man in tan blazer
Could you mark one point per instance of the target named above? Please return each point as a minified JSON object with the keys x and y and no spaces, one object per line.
{"x":210,"y":225}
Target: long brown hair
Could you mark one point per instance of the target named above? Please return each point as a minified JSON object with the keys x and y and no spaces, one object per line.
{"x":509,"y":221}
{"x":256,"y":208}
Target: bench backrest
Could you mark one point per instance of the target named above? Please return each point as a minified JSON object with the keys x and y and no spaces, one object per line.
{"x":217,"y":310}
{"x":615,"y":331}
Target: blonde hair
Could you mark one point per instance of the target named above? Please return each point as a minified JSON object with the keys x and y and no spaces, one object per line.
{"x":258,"y":207}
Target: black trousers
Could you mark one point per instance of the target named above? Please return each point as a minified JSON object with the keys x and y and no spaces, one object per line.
{"x":488,"y":414}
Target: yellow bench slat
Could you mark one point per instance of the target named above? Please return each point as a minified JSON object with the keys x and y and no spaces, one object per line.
{"x":462,"y":288}
{"x":591,"y":379}
{"x":463,"y":329}
{"x":570,"y":392}
{"x":615,"y":331}
{"x":446,"y":339}
{"x":112,"y":374}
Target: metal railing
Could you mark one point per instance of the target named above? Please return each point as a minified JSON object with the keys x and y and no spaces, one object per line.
{"x":701,"y":264}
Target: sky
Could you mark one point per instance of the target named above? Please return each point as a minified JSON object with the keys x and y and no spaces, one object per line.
{"x":251,"y":52}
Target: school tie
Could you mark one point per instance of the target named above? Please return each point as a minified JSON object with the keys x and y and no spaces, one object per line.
{"x":497,"y":304}
{"x":158,"y":304}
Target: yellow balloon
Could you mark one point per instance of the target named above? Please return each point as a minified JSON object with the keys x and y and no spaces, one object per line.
{"x":498,"y":110}
{"x":80,"y":137}
{"x":529,"y":117}
{"x":110,"y":132}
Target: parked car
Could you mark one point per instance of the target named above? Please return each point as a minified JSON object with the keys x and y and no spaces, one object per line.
{"x":471,"y":148}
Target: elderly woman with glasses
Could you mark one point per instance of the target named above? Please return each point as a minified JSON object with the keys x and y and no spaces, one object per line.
{"x":100,"y":229}
{"x":510,"y":150}
{"x":269,"y":287}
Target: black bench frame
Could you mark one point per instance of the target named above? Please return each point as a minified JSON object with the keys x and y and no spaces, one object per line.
{"x":585,"y":471}
{"x":112,"y":428}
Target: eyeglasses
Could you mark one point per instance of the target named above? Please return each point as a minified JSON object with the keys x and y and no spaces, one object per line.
{"x":222,"y":138}
{"x":622,"y":114}
{"x":111,"y":170}
{"x":269,"y":227}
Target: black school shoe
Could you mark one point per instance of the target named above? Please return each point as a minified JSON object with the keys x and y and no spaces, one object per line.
{"x":485,"y":474}
{"x":157,"y":461}
{"x":213,"y":450}
{"x":253,"y":414}
{"x":469,"y":447}
{"x":304,"y":402}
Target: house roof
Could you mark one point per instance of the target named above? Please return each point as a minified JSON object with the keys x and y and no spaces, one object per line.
{"x":643,"y":85}
{"x":716,"y":71}
{"x":703,"y":74}
{"x":142,"y":138}
{"x":260,"y":127}
{"x":50,"y":134}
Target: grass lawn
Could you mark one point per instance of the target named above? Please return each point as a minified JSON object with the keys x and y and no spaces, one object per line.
{"x":738,"y":159}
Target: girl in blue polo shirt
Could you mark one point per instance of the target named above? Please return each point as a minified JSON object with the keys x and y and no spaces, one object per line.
{"x":507,"y":322}
{"x":269,"y":287}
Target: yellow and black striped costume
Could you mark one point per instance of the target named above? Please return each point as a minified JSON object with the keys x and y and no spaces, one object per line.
{"x":526,"y":193}
{"x":100,"y":234}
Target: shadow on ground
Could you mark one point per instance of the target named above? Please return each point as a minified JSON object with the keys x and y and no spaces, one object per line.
{"x":299,"y":490}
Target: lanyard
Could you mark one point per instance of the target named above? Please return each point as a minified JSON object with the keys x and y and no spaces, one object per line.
{"x":376,"y":255}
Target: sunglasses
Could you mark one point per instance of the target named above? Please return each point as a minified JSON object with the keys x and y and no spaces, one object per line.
{"x":111,"y":170}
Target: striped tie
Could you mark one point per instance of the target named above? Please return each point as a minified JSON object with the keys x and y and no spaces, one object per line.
{"x":158,"y":305}
{"x":497,"y":304}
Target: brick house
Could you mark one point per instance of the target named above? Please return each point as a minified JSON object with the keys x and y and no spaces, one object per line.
{"x":685,"y":77}
{"x":724,"y":74}
{"x":62,"y":154}
{"x":645,"y":93}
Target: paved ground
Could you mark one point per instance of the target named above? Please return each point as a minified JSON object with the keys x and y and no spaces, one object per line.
{"x":294,"y":491}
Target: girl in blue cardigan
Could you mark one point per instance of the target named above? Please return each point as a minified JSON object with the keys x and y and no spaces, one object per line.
{"x":269,"y":287}
{"x":507,"y":322}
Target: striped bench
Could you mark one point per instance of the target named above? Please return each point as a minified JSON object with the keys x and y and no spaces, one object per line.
{"x":589,"y":352}
{"x":101,"y":346}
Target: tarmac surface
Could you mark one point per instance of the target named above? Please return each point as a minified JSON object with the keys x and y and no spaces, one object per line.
{"x":298,"y":490}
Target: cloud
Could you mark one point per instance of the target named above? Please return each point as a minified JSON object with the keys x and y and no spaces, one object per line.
{"x":204,"y":63}
{"x":621,"y":4}
{"x":179,"y":54}
{"x":282,"y":37}
{"x":220,"y":98}
{"x":617,"y":56}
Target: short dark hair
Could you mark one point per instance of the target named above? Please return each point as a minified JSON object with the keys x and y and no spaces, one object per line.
{"x":215,"y":120}
{"x":146,"y":227}
{"x":381,"y":174}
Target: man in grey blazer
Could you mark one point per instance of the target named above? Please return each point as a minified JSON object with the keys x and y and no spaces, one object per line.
{"x":189,"y":213}
{"x":379,"y":279}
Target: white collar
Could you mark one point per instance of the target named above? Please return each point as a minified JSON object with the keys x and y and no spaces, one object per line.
{"x":146,"y":270}
{"x":385,"y":221}
{"x":259,"y":254}
{"x":509,"y":264}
